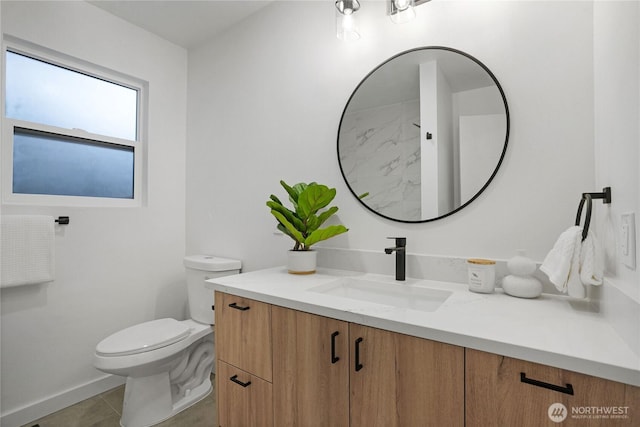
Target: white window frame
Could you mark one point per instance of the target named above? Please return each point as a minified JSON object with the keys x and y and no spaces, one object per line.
{"x":9,"y":124}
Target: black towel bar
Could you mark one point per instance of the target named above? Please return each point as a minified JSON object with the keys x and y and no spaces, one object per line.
{"x":62,"y":220}
{"x":587,"y":198}
{"x":605,"y":195}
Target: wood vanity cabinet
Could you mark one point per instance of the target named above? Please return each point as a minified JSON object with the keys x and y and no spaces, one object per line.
{"x":283,"y":367}
{"x":502,"y":391}
{"x":243,"y":399}
{"x":244,"y":367}
{"x":328,"y":372}
{"x":310,"y":369}
{"x":400,"y":380}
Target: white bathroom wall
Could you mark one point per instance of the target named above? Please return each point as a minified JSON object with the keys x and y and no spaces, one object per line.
{"x":617,"y":152}
{"x":264,"y":104}
{"x":617,"y":129}
{"x":114,"y":267}
{"x":265,"y":101}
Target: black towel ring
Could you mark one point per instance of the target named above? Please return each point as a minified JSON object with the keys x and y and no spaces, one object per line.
{"x":585,"y":230}
{"x":587,"y":198}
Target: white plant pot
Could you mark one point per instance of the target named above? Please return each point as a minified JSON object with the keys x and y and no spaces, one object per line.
{"x":301,"y":262}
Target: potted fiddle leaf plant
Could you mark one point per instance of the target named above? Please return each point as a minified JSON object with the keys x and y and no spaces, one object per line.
{"x":303,"y":222}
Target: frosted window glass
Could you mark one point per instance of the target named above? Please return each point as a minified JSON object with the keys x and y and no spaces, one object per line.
{"x":51,"y":164}
{"x":40,"y":92}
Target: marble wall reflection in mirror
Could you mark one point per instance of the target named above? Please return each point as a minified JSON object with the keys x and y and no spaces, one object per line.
{"x":423,"y":134}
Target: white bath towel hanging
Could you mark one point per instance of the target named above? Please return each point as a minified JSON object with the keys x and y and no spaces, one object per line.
{"x":575,"y":288}
{"x":27,"y":250}
{"x":560,"y":260}
{"x":591,"y":261}
{"x":573,"y":263}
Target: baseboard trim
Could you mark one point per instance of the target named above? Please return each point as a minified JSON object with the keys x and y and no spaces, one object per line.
{"x":49,"y":405}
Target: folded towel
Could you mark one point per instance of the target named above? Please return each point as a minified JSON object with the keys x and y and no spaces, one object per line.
{"x":27,"y":250}
{"x":560,"y":260}
{"x":573,"y":263}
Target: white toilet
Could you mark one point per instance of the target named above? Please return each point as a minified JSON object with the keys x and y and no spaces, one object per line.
{"x":167,"y":362}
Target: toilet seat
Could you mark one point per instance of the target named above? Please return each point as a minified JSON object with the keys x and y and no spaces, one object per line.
{"x":143,"y":338}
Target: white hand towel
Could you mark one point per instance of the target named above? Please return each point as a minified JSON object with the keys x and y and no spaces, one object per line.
{"x":575,"y":288}
{"x":560,"y":261}
{"x":27,"y":250}
{"x":591,"y":261}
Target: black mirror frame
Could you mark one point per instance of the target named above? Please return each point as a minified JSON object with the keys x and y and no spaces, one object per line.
{"x":493,"y":174}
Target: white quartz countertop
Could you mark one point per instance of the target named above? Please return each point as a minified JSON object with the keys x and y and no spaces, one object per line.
{"x":550,"y":330}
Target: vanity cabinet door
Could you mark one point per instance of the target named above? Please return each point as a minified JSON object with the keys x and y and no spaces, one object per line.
{"x":310,"y":369}
{"x":243,"y":334}
{"x":243,"y":399}
{"x":502,"y":391}
{"x":403,"y":381}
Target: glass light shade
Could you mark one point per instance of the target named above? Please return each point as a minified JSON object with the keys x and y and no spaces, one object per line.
{"x":346,"y":22}
{"x":402,"y":11}
{"x":347,"y":27}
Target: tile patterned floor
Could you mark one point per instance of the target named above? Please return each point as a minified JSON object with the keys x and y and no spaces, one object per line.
{"x":104,"y":410}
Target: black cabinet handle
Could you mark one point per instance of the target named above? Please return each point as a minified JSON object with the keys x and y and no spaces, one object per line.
{"x":237,"y":381}
{"x":237,"y":307}
{"x":358,"y":364}
{"x":334,"y":358}
{"x":566,"y":390}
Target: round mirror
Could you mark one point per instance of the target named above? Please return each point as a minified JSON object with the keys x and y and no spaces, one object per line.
{"x":423,"y":134}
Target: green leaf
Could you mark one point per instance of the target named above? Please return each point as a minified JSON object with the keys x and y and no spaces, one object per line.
{"x":326,"y":214}
{"x":303,"y":223}
{"x":324,"y":234}
{"x":293,"y":232}
{"x":284,"y":230}
{"x":300,"y":187}
{"x":293,"y":194}
{"x":275,"y":199}
{"x":314,"y":198}
{"x":312,"y":224}
{"x":295,"y":191}
{"x":288,"y":214}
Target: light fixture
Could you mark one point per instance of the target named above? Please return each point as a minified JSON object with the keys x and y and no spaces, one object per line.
{"x":346,"y":24}
{"x":401,"y":11}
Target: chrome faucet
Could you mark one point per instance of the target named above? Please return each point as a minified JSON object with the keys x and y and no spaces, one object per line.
{"x":400,"y":250}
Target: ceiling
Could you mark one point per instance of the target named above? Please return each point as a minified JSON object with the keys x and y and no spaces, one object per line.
{"x":186,"y":23}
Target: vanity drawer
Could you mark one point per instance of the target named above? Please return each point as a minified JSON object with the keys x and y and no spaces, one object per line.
{"x":243,"y":399}
{"x":243,"y":334}
{"x":503,"y":391}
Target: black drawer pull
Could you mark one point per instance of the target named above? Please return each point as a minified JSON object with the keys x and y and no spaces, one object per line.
{"x":334,"y":358}
{"x":358,"y":364}
{"x":237,"y":307}
{"x":237,"y":381}
{"x":566,"y":390}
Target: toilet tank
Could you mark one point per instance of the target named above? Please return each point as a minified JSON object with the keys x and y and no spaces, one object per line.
{"x":200,"y":268}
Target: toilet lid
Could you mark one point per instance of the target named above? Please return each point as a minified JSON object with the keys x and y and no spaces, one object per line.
{"x":143,"y":337}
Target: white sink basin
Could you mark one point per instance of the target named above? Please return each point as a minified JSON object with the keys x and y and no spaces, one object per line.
{"x":392,"y":294}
